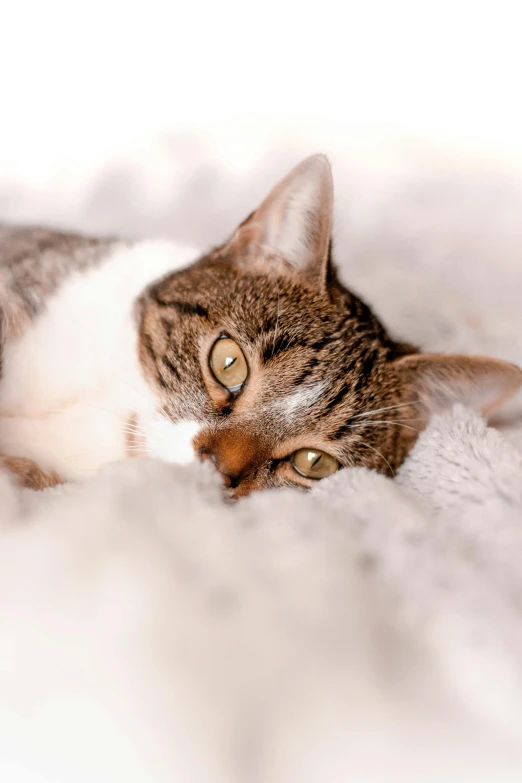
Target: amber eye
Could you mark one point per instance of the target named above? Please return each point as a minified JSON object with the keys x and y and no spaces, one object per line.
{"x":314,"y":464}
{"x":228,"y":364}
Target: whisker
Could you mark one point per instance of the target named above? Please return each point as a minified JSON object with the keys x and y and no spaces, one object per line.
{"x":119,"y":413}
{"x":127,"y":426}
{"x":139,"y":445}
{"x":277,"y":321}
{"x":289,"y":339}
{"x":376,"y":423}
{"x":388,"y":408}
{"x":135,"y":390}
{"x":84,"y":405}
{"x":133,"y":430}
{"x":362,"y":443}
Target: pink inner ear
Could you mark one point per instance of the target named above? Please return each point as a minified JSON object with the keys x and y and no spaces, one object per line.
{"x":442,"y":381}
{"x":294,"y":222}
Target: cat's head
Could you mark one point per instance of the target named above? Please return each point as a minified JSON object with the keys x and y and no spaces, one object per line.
{"x":286,"y":374}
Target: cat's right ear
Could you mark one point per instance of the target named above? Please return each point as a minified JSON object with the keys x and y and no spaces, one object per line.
{"x":290,"y":231}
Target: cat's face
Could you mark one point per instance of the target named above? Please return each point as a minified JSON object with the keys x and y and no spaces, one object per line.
{"x":287,"y":374}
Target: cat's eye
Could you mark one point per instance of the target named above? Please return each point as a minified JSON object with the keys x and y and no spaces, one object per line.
{"x":314,"y":464}
{"x":228,"y":364}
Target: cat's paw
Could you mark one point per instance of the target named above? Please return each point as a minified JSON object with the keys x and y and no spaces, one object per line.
{"x":27,"y":474}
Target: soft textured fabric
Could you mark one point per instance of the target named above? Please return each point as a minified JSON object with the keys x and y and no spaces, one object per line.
{"x":368,"y":631}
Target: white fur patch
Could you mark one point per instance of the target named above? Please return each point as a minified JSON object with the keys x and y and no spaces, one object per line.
{"x":171,"y":442}
{"x":300,"y":400}
{"x":71,"y":382}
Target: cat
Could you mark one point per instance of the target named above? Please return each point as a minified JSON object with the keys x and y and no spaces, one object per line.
{"x":254,"y":356}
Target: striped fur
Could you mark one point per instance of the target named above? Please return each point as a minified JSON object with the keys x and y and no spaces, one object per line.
{"x":105,"y":349}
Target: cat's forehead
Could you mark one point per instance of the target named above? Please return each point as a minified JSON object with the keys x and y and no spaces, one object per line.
{"x":302,"y":335}
{"x":252,"y":301}
{"x":314,"y":357}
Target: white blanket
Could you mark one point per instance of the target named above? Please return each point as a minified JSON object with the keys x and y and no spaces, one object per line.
{"x":370,"y":631}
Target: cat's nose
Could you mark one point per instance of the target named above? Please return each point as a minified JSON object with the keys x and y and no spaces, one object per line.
{"x":235,"y":453}
{"x":229,"y":481}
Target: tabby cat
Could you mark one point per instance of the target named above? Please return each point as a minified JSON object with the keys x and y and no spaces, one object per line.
{"x":254,"y":356}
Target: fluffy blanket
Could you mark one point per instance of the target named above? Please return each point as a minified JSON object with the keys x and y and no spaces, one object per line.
{"x":368,"y":631}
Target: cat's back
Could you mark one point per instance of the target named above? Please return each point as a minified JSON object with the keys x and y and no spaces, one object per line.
{"x":28,"y":244}
{"x":38,"y":264}
{"x":69,"y":341}
{"x":35,"y":261}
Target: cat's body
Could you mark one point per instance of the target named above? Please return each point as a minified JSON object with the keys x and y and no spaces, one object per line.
{"x":112,"y":350}
{"x":73,"y":395}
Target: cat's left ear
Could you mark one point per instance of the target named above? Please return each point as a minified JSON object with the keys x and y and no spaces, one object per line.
{"x":291,"y":229}
{"x":438,"y":381}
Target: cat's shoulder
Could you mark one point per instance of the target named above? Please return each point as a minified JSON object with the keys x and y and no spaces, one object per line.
{"x":35,"y":260}
{"x":25,"y":244}
{"x":42,"y":254}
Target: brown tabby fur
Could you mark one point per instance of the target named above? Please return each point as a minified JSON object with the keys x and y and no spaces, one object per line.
{"x":28,"y":474}
{"x":323,"y":371}
{"x":298,"y":327}
{"x":293,"y":337}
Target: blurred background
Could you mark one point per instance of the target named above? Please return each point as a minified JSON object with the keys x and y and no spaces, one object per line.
{"x":173,"y":119}
{"x":155,"y":116}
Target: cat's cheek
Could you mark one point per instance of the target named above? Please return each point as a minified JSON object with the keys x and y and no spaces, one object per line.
{"x":172,"y":442}
{"x":287,"y":476}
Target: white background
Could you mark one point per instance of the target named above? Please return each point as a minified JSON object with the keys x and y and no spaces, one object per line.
{"x":82,"y":82}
